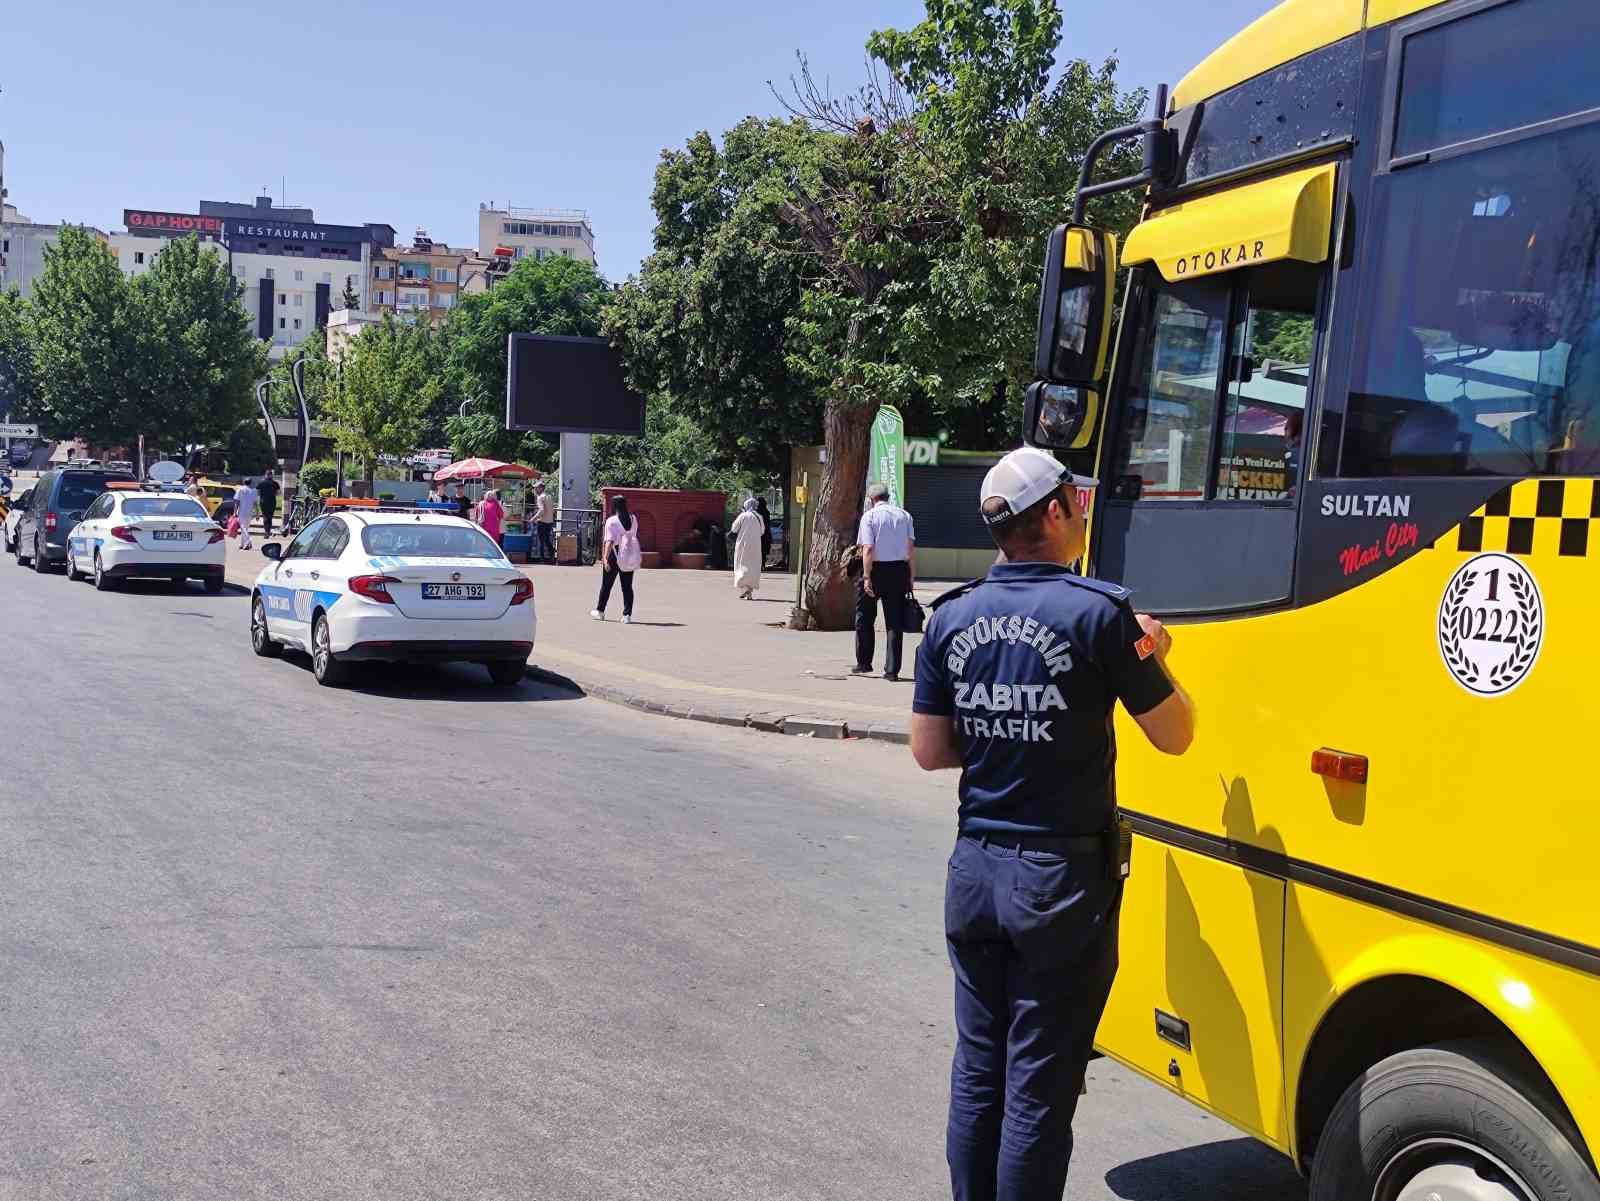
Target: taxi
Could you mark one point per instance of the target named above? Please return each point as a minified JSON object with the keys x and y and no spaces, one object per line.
{"x":367,"y":582}
{"x":138,"y":533}
{"x":216,"y":495}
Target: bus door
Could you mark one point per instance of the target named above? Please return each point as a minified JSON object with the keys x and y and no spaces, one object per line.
{"x":1203,"y":474}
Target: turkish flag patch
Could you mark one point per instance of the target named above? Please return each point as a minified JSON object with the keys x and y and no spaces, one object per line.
{"x":1145,"y":647}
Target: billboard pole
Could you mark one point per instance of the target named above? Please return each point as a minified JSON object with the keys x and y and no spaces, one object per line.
{"x":574,"y":470}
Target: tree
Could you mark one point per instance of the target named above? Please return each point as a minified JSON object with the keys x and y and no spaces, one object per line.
{"x":17,"y":384}
{"x":675,"y":452}
{"x":379,"y":400}
{"x":197,"y":361}
{"x":250,"y":451}
{"x":556,"y":295}
{"x":703,"y":327}
{"x":349,"y":299}
{"x":86,"y":342}
{"x":318,"y":377}
{"x":925,"y":212}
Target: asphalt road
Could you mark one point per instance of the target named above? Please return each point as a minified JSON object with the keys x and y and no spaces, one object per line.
{"x":422,"y":940}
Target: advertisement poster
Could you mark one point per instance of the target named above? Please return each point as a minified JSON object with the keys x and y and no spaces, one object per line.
{"x":888,"y":453}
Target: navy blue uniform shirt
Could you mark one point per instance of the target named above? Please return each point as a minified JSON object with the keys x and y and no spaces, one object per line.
{"x":1030,"y":662}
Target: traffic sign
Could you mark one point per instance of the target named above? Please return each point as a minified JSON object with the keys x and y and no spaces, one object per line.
{"x":18,"y":431}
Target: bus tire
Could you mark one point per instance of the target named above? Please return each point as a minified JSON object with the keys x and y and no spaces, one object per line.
{"x":1458,"y":1119}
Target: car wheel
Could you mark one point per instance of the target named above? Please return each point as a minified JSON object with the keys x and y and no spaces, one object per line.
{"x":16,"y":549}
{"x":72,"y":566}
{"x":1460,"y":1120}
{"x":324,"y":665}
{"x":40,"y":563}
{"x":102,"y":582}
{"x":260,"y":640}
{"x":506,"y":673}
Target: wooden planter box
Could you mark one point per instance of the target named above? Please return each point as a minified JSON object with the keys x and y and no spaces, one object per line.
{"x":689,"y":560}
{"x":649,"y":559}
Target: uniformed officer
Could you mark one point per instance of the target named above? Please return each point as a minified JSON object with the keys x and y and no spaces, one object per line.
{"x":1016,"y":680}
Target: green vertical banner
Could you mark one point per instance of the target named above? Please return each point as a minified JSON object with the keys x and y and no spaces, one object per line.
{"x":888,"y":462}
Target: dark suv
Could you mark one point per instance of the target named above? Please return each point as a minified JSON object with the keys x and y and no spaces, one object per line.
{"x":58,"y":502}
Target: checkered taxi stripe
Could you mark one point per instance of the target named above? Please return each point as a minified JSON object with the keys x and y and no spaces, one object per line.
{"x":1536,"y":517}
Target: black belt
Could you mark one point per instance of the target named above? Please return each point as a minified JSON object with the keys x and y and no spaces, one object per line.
{"x":1045,"y":844}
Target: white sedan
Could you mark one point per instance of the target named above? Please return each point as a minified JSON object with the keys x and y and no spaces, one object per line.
{"x":139,"y":534}
{"x":402,"y":586}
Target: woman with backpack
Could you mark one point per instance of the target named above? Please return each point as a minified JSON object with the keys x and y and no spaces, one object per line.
{"x":620,"y":555}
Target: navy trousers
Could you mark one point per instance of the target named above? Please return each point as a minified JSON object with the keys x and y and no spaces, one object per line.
{"x":1033,"y":941}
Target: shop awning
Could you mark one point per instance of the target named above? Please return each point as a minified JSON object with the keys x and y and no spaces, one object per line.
{"x":1289,"y":217}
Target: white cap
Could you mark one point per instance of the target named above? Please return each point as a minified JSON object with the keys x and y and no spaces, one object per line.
{"x":1022,"y":479}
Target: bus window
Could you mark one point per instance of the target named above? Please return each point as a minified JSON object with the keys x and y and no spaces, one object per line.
{"x":1264,"y":410}
{"x":1478,"y":347}
{"x":1164,"y":450}
{"x":1503,"y":68}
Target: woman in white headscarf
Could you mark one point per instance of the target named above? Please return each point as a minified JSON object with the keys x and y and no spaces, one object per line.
{"x":747,"y":531}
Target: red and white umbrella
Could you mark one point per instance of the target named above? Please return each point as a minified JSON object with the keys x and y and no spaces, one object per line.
{"x":479,"y":469}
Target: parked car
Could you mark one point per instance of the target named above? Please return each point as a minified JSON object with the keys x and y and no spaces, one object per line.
{"x":417,"y":586}
{"x":21,"y":452}
{"x":14,"y":518}
{"x":138,"y":534}
{"x":54,"y":508}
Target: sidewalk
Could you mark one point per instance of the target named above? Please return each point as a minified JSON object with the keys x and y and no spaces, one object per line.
{"x":696,"y":650}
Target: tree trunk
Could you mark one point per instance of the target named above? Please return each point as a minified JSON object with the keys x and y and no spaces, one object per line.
{"x":830,"y":597}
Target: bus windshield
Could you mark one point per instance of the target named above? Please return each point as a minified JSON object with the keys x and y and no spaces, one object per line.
{"x":1487,"y":362}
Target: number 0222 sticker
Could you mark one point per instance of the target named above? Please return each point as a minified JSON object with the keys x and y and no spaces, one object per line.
{"x":1491,"y":624}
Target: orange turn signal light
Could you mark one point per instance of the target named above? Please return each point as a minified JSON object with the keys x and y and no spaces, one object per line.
{"x":1339,"y":765}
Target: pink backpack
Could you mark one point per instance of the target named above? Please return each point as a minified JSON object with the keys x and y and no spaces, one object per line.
{"x":629,"y":552}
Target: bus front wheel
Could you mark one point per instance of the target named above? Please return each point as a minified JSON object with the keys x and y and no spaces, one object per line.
{"x":1458,"y":1122}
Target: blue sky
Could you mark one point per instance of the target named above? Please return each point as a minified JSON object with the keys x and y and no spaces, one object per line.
{"x":413,"y":113}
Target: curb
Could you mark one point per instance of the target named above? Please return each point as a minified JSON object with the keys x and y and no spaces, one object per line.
{"x":807,"y":725}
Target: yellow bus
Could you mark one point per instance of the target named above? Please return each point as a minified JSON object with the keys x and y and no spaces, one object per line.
{"x":1348,"y":445}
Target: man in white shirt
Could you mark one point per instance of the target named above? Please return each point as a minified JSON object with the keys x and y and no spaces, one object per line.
{"x":544,"y":522}
{"x":888,"y":570}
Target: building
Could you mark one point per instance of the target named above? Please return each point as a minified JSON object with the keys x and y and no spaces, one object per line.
{"x":536,"y":233}
{"x":293,"y":270}
{"x":22,"y":246}
{"x":421,"y":280}
{"x":344,"y":325}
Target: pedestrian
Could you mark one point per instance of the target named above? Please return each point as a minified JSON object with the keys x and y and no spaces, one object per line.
{"x":620,"y":556}
{"x":491,"y":515}
{"x":267,"y":491}
{"x":888,"y":571}
{"x":195,"y":490}
{"x":1016,"y":679}
{"x":544,"y":522}
{"x":766,"y":529}
{"x":435,"y":493}
{"x":244,"y":510}
{"x":749,"y":532}
{"x":463,"y":501}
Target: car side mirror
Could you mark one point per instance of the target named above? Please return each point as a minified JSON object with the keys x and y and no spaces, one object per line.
{"x":272,"y":550}
{"x":1075,"y":306}
{"x":1060,"y":416}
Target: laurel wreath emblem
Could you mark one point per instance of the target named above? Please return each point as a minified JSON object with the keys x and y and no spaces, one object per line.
{"x":1529,"y":630}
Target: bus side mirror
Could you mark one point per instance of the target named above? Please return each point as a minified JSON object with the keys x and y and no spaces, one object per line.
{"x":1075,"y":298}
{"x":1060,"y":416}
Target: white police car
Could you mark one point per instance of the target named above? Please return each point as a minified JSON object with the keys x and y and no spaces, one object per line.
{"x":364,"y":583}
{"x":138,"y":533}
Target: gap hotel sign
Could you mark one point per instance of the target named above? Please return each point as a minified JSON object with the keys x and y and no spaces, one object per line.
{"x":146,"y":221}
